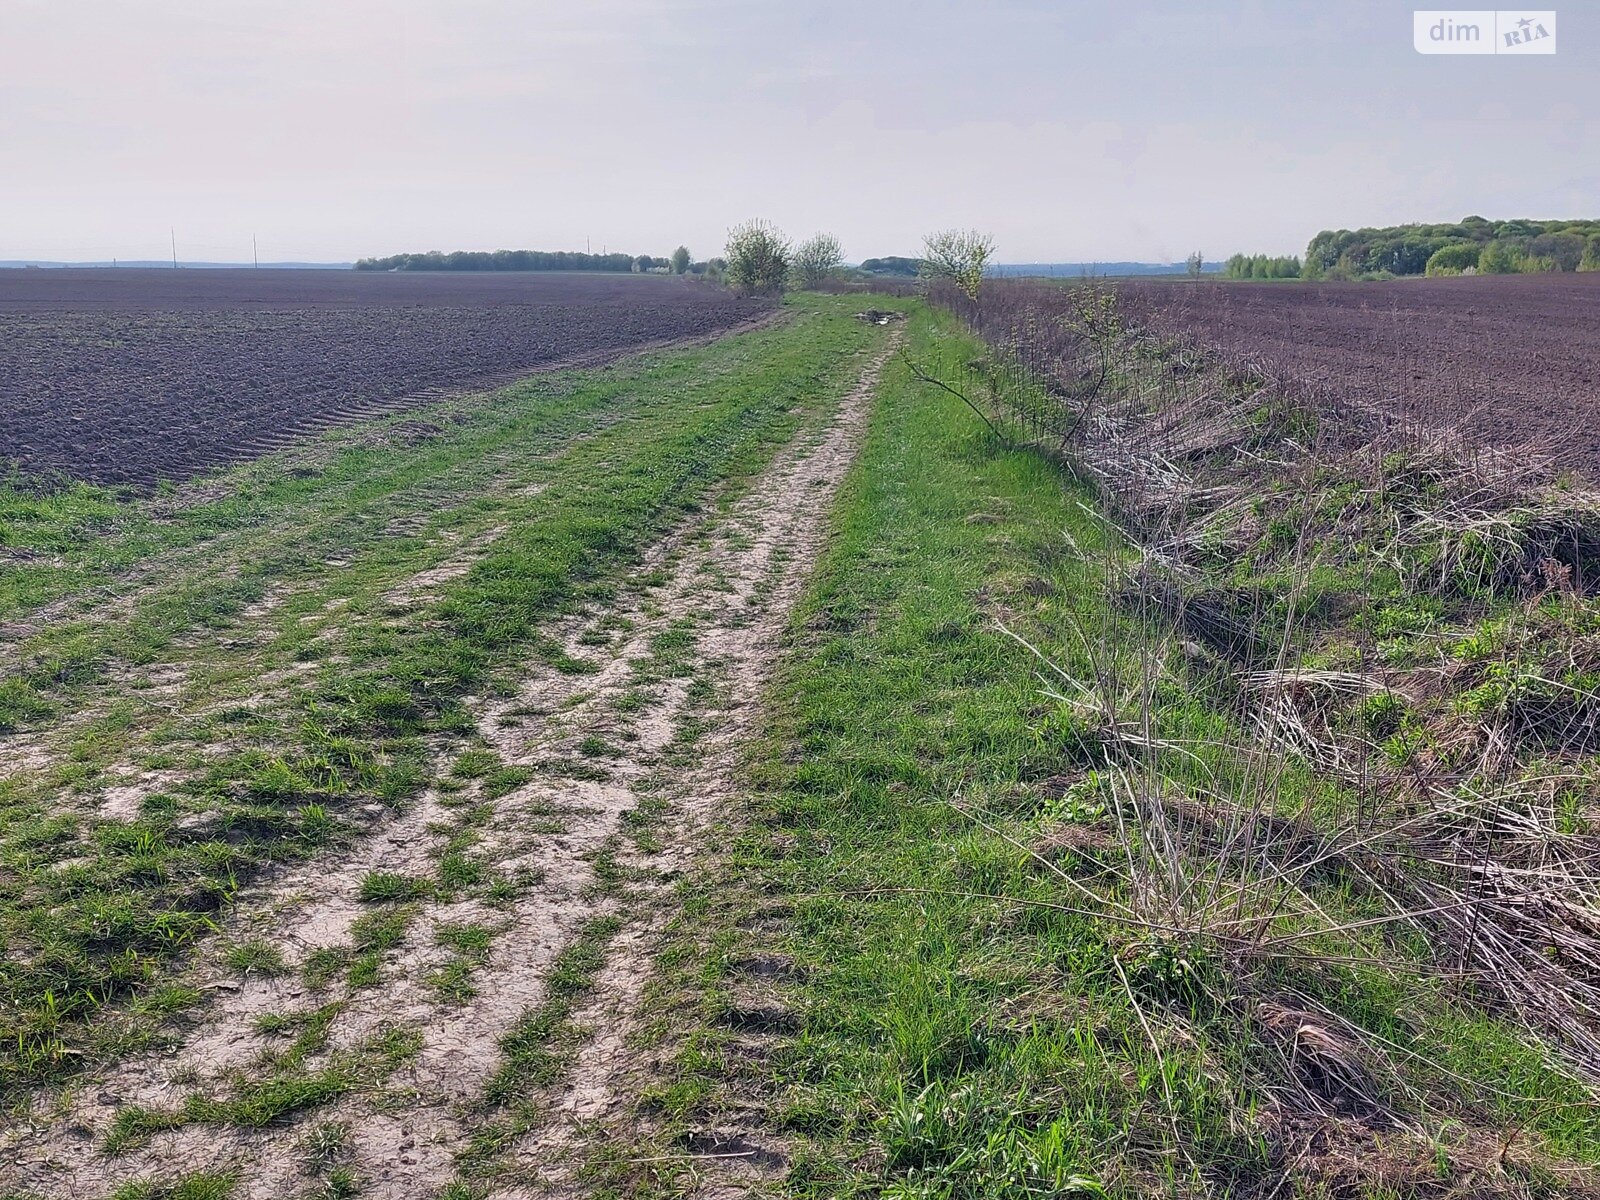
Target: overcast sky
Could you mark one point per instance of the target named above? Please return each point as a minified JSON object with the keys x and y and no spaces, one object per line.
{"x":1140,"y":129}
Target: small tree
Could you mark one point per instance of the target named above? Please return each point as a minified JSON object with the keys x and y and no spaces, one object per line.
{"x":758,"y":257}
{"x":680,"y":260}
{"x":642,"y":263}
{"x":816,"y":259}
{"x":959,"y":255}
{"x":1196,"y":263}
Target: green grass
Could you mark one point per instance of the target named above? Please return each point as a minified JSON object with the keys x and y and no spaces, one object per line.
{"x":967,"y":1026}
{"x":380,"y":886}
{"x":470,"y":943}
{"x":92,"y":911}
{"x":254,"y":957}
{"x":202,"y":1185}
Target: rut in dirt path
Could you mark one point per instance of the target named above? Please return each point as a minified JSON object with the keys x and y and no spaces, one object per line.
{"x":604,"y":770}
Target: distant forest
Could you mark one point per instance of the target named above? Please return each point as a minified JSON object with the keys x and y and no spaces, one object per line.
{"x":1473,"y":245}
{"x":892,"y":265}
{"x":513,"y":260}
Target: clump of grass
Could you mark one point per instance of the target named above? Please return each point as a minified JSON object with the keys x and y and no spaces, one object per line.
{"x":504,"y":780}
{"x":325,"y":1144}
{"x":200,"y":1185}
{"x":475,"y":764}
{"x":466,"y":938}
{"x":632,"y":701}
{"x":276,"y":1024}
{"x":323,"y":964}
{"x":453,"y":981}
{"x":595,"y":746}
{"x":255,"y":957}
{"x":471,"y":943}
{"x":458,"y":871}
{"x":382,"y":930}
{"x":340,"y":1183}
{"x":387,"y":887}
{"x":373,"y":935}
{"x":574,"y":768}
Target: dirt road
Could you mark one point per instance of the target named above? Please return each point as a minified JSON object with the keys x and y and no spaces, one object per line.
{"x":492,"y":1033}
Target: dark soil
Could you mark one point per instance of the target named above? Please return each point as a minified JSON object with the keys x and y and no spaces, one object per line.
{"x":1511,"y":361}
{"x":134,"y":376}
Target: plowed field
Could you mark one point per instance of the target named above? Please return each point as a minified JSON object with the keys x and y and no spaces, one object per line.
{"x":1512,"y":361}
{"x":137,"y":376}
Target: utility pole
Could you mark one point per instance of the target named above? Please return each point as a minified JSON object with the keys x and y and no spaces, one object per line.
{"x":174,"y":247}
{"x":255,"y":254}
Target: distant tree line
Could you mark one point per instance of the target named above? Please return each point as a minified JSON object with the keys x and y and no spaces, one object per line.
{"x":893,"y":264}
{"x":514,"y":260}
{"x":1262,"y":266}
{"x":1472,"y":244}
{"x":758,"y":258}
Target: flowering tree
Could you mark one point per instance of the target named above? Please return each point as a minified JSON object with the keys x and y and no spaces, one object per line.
{"x":959,"y":255}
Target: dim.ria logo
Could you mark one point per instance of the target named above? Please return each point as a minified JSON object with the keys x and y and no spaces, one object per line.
{"x":1484,"y":31}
